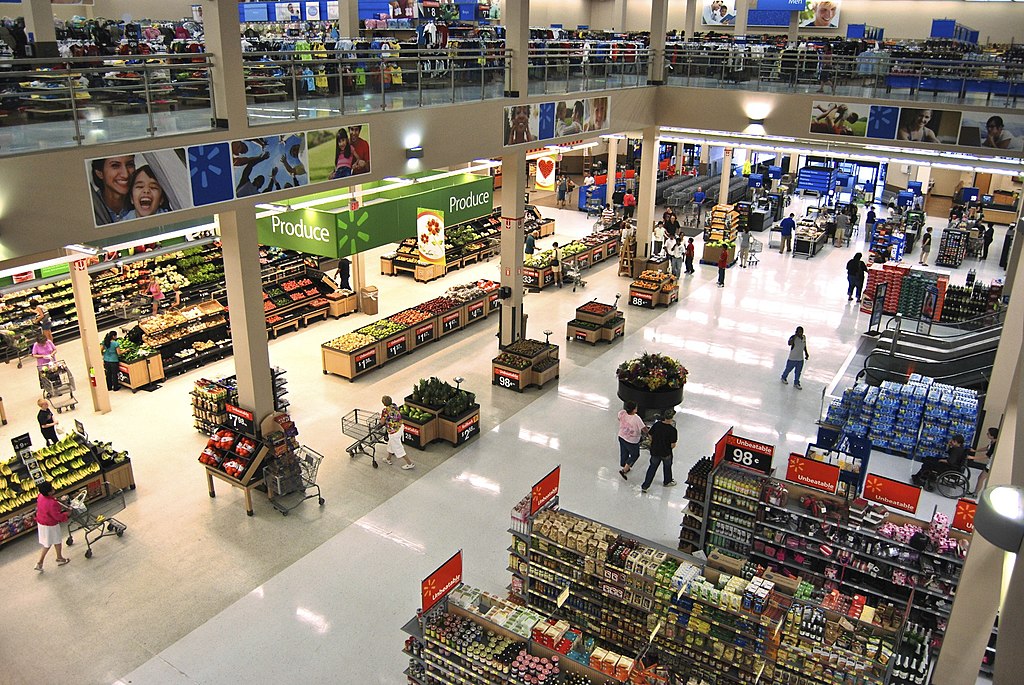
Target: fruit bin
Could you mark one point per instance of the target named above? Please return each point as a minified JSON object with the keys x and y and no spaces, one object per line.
{"x":353,"y":363}
{"x":583,"y":331}
{"x":419,"y":434}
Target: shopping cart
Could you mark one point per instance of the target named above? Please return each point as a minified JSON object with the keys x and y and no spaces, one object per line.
{"x":132,"y":308}
{"x":571,"y":273}
{"x":756,"y":248}
{"x":95,"y":518}
{"x":291,"y":479}
{"x":13,"y":346}
{"x":365,"y":426}
{"x":58,"y":385}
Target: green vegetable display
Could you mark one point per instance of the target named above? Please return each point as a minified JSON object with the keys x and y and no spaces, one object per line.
{"x":415,"y":415}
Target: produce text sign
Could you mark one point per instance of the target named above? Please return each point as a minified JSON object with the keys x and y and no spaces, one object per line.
{"x":446,"y":578}
{"x":241,"y":420}
{"x":812,"y":474}
{"x":891,"y":493}
{"x":545,"y":490}
{"x":467,"y":429}
{"x":963,"y":518}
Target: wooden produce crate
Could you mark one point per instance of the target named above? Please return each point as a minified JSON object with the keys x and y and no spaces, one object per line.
{"x":341,"y":307}
{"x":387,"y":266}
{"x":669,"y":297}
{"x":710,"y":255}
{"x":141,"y":372}
{"x":546,"y":227}
{"x":539,"y":378}
{"x":120,"y":477}
{"x":582,"y":333}
{"x":425,"y":331}
{"x":599,"y":254}
{"x":351,"y":364}
{"x":451,"y":321}
{"x":419,"y":435}
{"x":616,"y":328}
{"x":459,"y":429}
{"x":396,"y":345}
{"x":509,"y":377}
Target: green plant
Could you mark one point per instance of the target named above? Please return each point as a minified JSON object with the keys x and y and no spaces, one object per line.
{"x":432,"y":392}
{"x":654,"y":372}
{"x":459,"y":403}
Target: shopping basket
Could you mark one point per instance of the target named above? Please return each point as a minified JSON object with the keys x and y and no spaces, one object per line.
{"x":96,"y":518}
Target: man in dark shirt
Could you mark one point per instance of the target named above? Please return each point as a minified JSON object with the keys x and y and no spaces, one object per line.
{"x":932,"y":468}
{"x":788,"y":225}
{"x":989,"y":235}
{"x":663,"y":441}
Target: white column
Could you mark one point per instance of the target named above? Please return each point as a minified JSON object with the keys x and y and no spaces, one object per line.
{"x":348,"y":19}
{"x":517,"y":39}
{"x":680,"y":158}
{"x":648,"y":185}
{"x":613,"y":147}
{"x":690,"y":26}
{"x":513,"y":211}
{"x":705,"y":158}
{"x":659,"y":26}
{"x":222,"y":40}
{"x":39,"y":25}
{"x":741,"y":17}
{"x":81,"y":288}
{"x":619,"y":16}
{"x":723,"y":188}
{"x":245,"y":303}
{"x":794,"y":26}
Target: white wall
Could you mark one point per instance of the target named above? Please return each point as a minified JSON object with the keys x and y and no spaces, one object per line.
{"x":138,"y":9}
{"x":568,"y":13}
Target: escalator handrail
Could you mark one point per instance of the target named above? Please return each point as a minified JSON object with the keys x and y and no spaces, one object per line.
{"x":999,"y":314}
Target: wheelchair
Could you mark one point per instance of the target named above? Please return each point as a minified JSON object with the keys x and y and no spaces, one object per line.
{"x":952,"y":483}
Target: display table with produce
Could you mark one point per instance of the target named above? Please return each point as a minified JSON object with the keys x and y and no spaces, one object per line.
{"x":138,"y":369}
{"x":596,"y":321}
{"x":371,"y":346}
{"x":296,"y":301}
{"x":437,"y":411}
{"x":465,"y":244}
{"x":525,"y":363}
{"x":653,"y":288}
{"x":808,"y":239}
{"x":583,"y":253}
{"x":188,"y":337}
{"x":235,"y":458}
{"x":341,"y":303}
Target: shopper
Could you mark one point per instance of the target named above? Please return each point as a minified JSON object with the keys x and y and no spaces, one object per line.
{"x":797,"y":355}
{"x":391,"y":419}
{"x":788,"y":225}
{"x":989,"y":236}
{"x":631,"y":430}
{"x":663,"y":440}
{"x":990,"y":451}
{"x":869,"y":223}
{"x":154,"y":292}
{"x":842,"y":228}
{"x":531,"y":243}
{"x":698,"y":201}
{"x":689,"y":256}
{"x":723,"y":264}
{"x":744,"y":247}
{"x":674,"y":247}
{"x":556,"y":264}
{"x":588,"y":180}
{"x":628,"y":204}
{"x":47,"y":424}
{"x":956,"y":456}
{"x":607,"y":215}
{"x":562,"y":190}
{"x":926,"y":246}
{"x":42,"y":318}
{"x":111,"y":360}
{"x":658,"y":235}
{"x":49,"y":517}
{"x":856,"y":269}
{"x":672,"y":227}
{"x":43,"y":350}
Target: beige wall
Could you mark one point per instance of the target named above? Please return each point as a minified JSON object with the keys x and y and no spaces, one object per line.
{"x":138,"y":9}
{"x":568,"y":13}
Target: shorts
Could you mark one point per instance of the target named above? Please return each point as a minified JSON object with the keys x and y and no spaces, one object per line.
{"x":50,"y":535}
{"x":395,"y":444}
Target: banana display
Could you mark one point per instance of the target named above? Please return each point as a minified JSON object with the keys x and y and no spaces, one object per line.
{"x":16,"y":488}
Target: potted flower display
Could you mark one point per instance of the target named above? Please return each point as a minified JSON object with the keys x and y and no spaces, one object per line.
{"x":654,"y":381}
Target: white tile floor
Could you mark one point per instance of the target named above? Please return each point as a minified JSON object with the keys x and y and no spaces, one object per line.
{"x":196,"y":592}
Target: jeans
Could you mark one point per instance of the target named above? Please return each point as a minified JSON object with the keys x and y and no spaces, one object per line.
{"x":629,"y":452}
{"x":857,"y":285}
{"x":657,"y":248}
{"x":676,"y":265}
{"x":110,"y":370}
{"x":796,"y":366}
{"x":652,"y":470}
{"x":721,"y":276}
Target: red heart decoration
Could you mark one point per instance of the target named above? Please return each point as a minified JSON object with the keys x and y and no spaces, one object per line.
{"x":546,"y":166}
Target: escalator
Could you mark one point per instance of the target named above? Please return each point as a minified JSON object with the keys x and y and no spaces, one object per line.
{"x":961,"y":356}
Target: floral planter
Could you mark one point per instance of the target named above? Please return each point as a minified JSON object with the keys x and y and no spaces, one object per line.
{"x":648,"y":402}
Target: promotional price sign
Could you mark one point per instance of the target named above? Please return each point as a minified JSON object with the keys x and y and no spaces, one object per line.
{"x":122,"y":374}
{"x":475,"y":310}
{"x":877,"y":305}
{"x":411,"y":434}
{"x":494,"y":301}
{"x":22,"y":444}
{"x":812,"y":473}
{"x":450,"y":322}
{"x":467,"y":429}
{"x":638,"y":298}
{"x":442,"y":581}
{"x":545,"y":490}
{"x":507,"y":379}
{"x":963,"y":518}
{"x":396,"y":346}
{"x":531,"y":277}
{"x":891,"y":493}
{"x":425,"y":334}
{"x":241,"y":420}
{"x":750,"y":454}
{"x":366,"y":360}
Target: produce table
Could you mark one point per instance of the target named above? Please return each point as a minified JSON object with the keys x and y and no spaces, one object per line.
{"x":710,"y":255}
{"x":525,"y":363}
{"x":592,"y":249}
{"x":425,"y":423}
{"x":250,"y":478}
{"x":596,"y":321}
{"x":807,"y":243}
{"x":653,"y":288}
{"x":141,"y":372}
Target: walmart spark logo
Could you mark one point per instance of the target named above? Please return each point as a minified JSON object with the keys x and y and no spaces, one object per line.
{"x":210,"y":171}
{"x":351,"y":238}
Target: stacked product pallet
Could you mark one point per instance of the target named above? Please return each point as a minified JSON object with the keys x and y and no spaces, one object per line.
{"x":948,"y":411}
{"x":890,"y":274}
{"x":963,"y":303}
{"x":914,"y":289}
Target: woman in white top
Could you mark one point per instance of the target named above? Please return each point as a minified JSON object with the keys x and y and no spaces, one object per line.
{"x":797,"y":355}
{"x":659,"y":239}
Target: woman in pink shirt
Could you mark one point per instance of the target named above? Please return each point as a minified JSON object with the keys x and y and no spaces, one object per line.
{"x":49,"y":516}
{"x":631,"y":429}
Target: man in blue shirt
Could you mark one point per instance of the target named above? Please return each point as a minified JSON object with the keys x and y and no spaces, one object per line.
{"x":698,"y":199}
{"x":787,"y":225}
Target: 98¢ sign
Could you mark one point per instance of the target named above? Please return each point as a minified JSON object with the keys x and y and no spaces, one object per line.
{"x":750,"y":454}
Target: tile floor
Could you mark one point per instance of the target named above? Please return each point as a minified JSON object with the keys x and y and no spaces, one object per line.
{"x":197,"y":592}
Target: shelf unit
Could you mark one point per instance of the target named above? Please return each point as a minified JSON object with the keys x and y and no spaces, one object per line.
{"x":209,"y":399}
{"x":296,"y":300}
{"x":952,"y":247}
{"x":190,"y":337}
{"x":725,"y":223}
{"x":698,"y":494}
{"x":732,"y":509}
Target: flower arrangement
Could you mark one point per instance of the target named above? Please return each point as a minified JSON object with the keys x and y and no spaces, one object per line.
{"x":652,"y":372}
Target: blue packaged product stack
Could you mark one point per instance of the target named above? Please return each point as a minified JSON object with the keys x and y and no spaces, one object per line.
{"x":840,"y":411}
{"x":860,"y":421}
{"x":887,"y":408}
{"x":935,"y":427}
{"x":963,"y":415}
{"x":908,"y":422}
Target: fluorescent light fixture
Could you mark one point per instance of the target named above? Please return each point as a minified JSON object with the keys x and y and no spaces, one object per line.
{"x":415,"y":152}
{"x":396,"y":179}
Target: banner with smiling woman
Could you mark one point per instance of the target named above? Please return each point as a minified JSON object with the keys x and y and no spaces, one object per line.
{"x":135,"y":186}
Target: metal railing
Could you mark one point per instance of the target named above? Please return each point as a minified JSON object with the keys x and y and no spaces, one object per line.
{"x":567,"y":70}
{"x":306,"y":85}
{"x":64,"y":102}
{"x":866,"y":75}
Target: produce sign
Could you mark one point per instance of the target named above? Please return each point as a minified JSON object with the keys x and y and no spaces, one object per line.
{"x":451,"y":322}
{"x":545,"y":490}
{"x":549,"y":277}
{"x":411,"y":435}
{"x":395,"y":347}
{"x":424,"y":334}
{"x":241,"y":420}
{"x":891,"y":493}
{"x":446,"y":578}
{"x":583,"y":260}
{"x":366,"y":360}
{"x":812,"y":473}
{"x":963,"y":518}
{"x":531,"y":277}
{"x":750,"y":454}
{"x":507,"y":379}
{"x":430,"y":235}
{"x":494,"y":300}
{"x":639,"y":298}
{"x":475,"y":310}
{"x":467,"y":429}
{"x":122,"y":374}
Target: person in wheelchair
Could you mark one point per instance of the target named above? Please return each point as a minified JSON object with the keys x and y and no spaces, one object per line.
{"x":956,"y":457}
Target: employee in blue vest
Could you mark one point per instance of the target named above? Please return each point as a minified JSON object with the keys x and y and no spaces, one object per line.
{"x":787,"y":225}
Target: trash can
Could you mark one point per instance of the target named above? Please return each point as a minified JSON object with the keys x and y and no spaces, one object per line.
{"x":368,"y":298}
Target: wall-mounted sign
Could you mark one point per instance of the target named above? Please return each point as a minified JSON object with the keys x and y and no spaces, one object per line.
{"x":303,"y":230}
{"x":545,"y":173}
{"x":547,"y":120}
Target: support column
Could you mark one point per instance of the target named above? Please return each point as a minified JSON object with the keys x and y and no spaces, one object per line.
{"x":690,"y":24}
{"x":794,"y":27}
{"x":741,"y":17}
{"x":245,"y":303}
{"x":517,"y":39}
{"x":659,"y":27}
{"x":513,"y":211}
{"x":705,"y":158}
{"x":613,"y":164}
{"x":81,"y":288}
{"x":619,"y":16}
{"x":348,"y":19}
{"x":220,"y":26}
{"x":723,"y":188}
{"x":648,"y":186}
{"x":680,"y":158}
{"x":39,"y":27}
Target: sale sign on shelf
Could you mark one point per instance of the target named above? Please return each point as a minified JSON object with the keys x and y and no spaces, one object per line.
{"x":442,"y":581}
{"x":891,"y":493}
{"x":963,"y":518}
{"x":545,"y":490}
{"x":750,"y":454}
{"x":812,"y":473}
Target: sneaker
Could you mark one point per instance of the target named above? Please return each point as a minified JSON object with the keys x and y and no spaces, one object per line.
{"x":389,"y":461}
{"x":669,"y":484}
{"x":784,"y":381}
{"x":849,"y":299}
{"x":408,"y":467}
{"x":644,"y":490}
{"x":798,"y":386}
